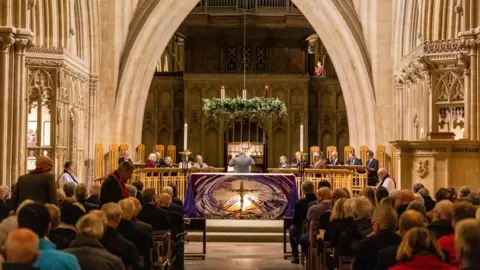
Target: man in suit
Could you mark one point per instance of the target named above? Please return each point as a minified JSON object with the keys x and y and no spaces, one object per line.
{"x":313,"y":217}
{"x":335,"y":161}
{"x":353,"y":160}
{"x":38,"y":185}
{"x":145,"y":234}
{"x":384,"y":225}
{"x":372,"y":164}
{"x":242,"y":163}
{"x":114,"y":242}
{"x":114,"y":188}
{"x":299,"y":216}
{"x":151,"y":214}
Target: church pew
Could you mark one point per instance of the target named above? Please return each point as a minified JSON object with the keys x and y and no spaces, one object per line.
{"x":287,"y":222}
{"x":161,"y":251}
{"x":195,"y":225}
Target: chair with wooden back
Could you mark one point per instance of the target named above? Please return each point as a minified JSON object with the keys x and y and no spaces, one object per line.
{"x":330,"y":150}
{"x":161,"y":252}
{"x":326,"y":255}
{"x":347,"y":150}
{"x":160,"y":148}
{"x":381,"y":155}
{"x":172,"y":152}
{"x":363,"y":154}
{"x":99,"y":161}
{"x":113,"y":157}
{"x":140,"y":153}
{"x":313,"y":149}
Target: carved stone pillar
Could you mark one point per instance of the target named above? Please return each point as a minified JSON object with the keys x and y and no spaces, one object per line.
{"x":13,"y":119}
{"x":474,"y":118}
{"x":93,"y":103}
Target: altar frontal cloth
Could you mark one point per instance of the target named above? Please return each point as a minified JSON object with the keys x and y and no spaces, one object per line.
{"x":240,"y":196}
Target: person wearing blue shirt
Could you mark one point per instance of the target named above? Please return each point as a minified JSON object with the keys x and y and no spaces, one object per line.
{"x":37,"y":218}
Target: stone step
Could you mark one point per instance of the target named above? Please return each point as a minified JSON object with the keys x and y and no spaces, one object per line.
{"x":256,"y":237}
{"x":248,"y":226}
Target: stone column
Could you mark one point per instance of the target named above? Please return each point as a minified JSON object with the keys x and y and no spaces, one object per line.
{"x":6,"y":42}
{"x":474,"y":118}
{"x":92,"y":111}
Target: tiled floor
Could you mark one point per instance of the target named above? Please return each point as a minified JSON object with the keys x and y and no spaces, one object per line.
{"x":251,"y":256}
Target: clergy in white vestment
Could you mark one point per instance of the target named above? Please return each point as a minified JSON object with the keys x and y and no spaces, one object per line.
{"x":385,"y":180}
{"x":67,"y":175}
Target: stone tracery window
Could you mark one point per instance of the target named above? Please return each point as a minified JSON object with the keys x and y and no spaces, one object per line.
{"x":39,"y":109}
{"x":449,"y":102}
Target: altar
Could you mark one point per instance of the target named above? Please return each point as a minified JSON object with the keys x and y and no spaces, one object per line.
{"x":241,"y":196}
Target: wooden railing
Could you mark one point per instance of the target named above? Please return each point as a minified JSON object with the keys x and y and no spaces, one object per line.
{"x":353,"y":178}
{"x":250,"y":5}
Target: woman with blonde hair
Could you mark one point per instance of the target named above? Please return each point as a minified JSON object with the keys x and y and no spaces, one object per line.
{"x":339,"y":220}
{"x":370,"y":194}
{"x":420,"y":250}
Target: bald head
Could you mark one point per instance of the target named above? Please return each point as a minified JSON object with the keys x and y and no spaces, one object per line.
{"x":323,"y":194}
{"x":443,"y":210}
{"x":165,"y":199}
{"x":411,"y":219}
{"x":168,"y":190}
{"x":44,"y":163}
{"x":22,"y":246}
{"x":406,"y":196}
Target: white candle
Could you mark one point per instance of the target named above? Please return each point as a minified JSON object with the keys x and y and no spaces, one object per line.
{"x":244,"y":94}
{"x":301,"y":138}
{"x":462,"y":135}
{"x":422,"y":134}
{"x":222,"y":93}
{"x":185,"y":131}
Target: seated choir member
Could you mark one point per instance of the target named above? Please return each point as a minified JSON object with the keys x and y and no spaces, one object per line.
{"x":199,"y":162}
{"x":283,"y":163}
{"x":126,"y":157}
{"x":335,"y":160}
{"x":298,"y":159}
{"x":318,"y":161}
{"x":353,"y":160}
{"x":242,"y":163}
{"x":167,"y":163}
{"x":152,"y":161}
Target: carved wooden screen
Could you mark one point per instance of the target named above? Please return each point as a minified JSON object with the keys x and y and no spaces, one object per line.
{"x":312,"y":150}
{"x":172,"y":152}
{"x":99,"y":161}
{"x":381,"y":156}
{"x":140,"y":153}
{"x":160,"y":148}
{"x":363,"y":154}
{"x":449,"y":99}
{"x":330,"y":150}
{"x":347,"y":150}
{"x":113,"y":157}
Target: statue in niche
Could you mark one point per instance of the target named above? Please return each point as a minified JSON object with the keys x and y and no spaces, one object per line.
{"x":319,"y":69}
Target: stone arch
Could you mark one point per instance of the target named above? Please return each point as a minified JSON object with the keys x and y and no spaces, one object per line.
{"x":336,"y":24}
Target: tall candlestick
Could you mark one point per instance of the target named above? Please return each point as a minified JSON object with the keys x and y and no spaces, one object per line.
{"x":422,"y":134}
{"x":222,"y":93}
{"x":301,"y":138}
{"x":244,"y":94}
{"x":462,"y":135}
{"x":185,"y":131}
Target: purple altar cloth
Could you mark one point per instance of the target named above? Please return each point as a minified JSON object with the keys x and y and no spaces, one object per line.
{"x":217,"y":195}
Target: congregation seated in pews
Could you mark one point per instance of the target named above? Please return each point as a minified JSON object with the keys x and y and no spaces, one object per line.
{"x":382,"y":230}
{"x":68,"y":229}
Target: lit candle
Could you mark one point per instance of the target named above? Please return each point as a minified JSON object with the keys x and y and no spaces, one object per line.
{"x":422,"y":134}
{"x":185,"y":131}
{"x":462,"y":135}
{"x":244,"y":94}
{"x":222,"y":93}
{"x":301,"y":138}
{"x":265,"y":92}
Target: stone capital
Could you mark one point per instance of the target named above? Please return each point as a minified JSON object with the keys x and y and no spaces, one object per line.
{"x":21,"y":45}
{"x":6,"y":43}
{"x":31,"y":4}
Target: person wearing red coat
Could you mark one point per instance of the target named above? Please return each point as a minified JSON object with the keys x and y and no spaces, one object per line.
{"x":419,"y":250}
{"x":152,"y":161}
